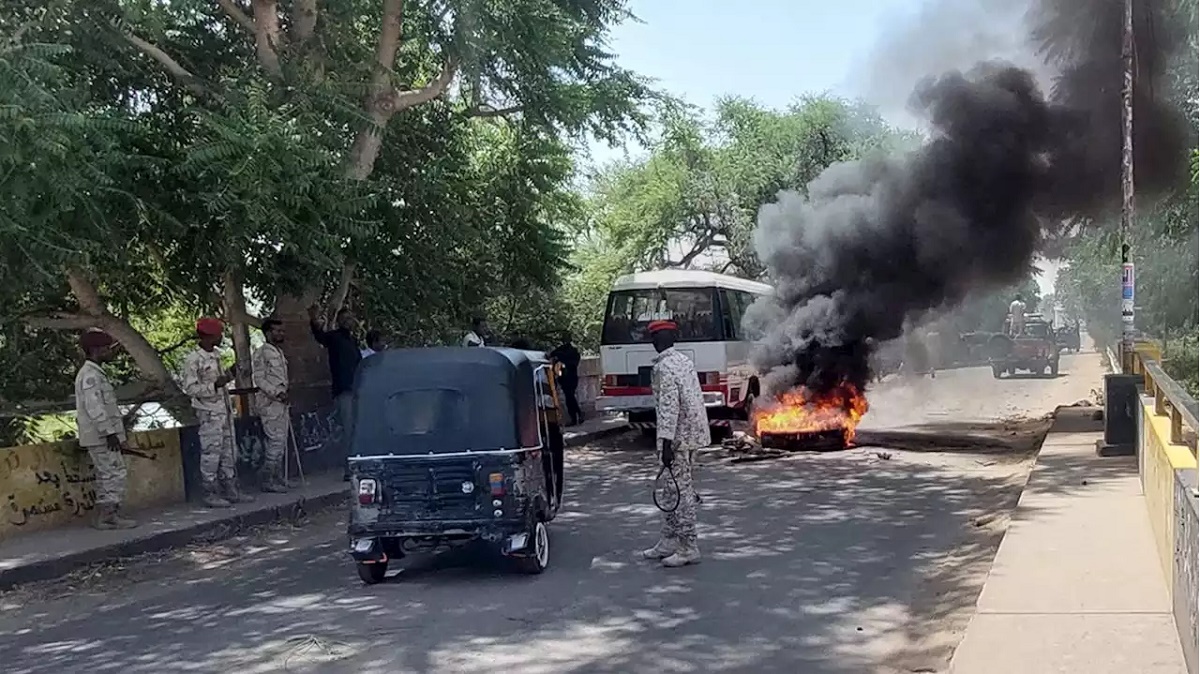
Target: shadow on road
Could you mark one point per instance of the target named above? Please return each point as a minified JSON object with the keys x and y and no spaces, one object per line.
{"x":816,"y":563}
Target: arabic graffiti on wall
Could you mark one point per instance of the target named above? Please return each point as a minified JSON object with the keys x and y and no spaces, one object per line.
{"x":51,"y":485}
{"x":317,"y":429}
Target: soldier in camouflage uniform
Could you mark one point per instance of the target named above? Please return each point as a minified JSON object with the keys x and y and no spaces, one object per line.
{"x":204,"y":380}
{"x":101,"y":429}
{"x":271,"y":379}
{"x":682,"y":429}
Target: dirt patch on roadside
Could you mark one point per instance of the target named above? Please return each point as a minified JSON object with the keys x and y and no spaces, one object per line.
{"x":945,"y":600}
{"x":1017,"y":438}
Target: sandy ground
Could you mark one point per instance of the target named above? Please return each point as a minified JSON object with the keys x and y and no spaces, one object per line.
{"x":867,"y":560}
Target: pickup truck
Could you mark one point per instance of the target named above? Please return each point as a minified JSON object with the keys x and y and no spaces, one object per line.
{"x":1035,"y":350}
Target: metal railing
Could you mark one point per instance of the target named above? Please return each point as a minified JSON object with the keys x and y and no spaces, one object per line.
{"x":1170,"y":400}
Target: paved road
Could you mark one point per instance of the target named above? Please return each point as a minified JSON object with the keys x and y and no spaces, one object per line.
{"x":837,"y":563}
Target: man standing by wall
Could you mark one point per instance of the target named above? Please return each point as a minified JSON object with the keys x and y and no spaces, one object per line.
{"x":344,"y":354}
{"x":204,"y":380}
{"x":101,"y":429}
{"x":682,"y":429}
{"x":271,"y":379}
{"x":568,"y":355}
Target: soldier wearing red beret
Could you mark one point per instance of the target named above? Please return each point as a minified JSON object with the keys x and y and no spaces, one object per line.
{"x":204,"y":381}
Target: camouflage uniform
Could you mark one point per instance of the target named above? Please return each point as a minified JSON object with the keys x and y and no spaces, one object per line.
{"x":271,"y":379}
{"x":682,"y":419}
{"x":98,"y":417}
{"x":201,"y":369}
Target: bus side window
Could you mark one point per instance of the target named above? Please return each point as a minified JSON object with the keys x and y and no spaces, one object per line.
{"x":731,"y":315}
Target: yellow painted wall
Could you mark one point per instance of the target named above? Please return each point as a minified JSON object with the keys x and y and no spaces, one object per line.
{"x":1160,"y":461}
{"x":53,"y":485}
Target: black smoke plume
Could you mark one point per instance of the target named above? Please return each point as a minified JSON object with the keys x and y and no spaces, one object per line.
{"x":876,"y":243}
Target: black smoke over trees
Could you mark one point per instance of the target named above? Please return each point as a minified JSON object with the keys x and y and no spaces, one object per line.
{"x":877,"y":244}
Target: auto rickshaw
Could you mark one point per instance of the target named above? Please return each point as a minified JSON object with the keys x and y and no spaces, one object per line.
{"x":453,"y":446}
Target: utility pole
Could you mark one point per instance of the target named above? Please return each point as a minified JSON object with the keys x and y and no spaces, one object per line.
{"x":1127,"y":202}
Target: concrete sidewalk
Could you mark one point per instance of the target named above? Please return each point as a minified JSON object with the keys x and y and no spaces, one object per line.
{"x":1076,"y":585}
{"x":53,"y":553}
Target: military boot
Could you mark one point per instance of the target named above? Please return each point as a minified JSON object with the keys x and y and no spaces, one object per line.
{"x":684,"y":556}
{"x":662,"y":549}
{"x":103,"y":517}
{"x":270,"y":479}
{"x":213,"y":498}
{"x":233,"y":493}
{"x":121,"y":522}
{"x":272,"y":484}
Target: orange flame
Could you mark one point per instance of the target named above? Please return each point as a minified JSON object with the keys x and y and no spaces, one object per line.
{"x":803,"y":411}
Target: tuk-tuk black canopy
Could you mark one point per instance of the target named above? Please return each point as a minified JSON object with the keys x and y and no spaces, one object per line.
{"x":444,"y":400}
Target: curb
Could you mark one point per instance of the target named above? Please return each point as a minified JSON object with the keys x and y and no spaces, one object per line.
{"x":215,"y":530}
{"x":585,"y":438}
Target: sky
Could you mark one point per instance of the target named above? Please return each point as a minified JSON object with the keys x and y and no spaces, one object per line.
{"x":775,"y":51}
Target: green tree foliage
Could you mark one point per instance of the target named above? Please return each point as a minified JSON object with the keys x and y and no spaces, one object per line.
{"x":1163,"y":240}
{"x":158,"y":155}
{"x":691,"y":202}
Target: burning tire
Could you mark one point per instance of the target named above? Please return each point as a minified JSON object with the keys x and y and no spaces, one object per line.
{"x":811,"y":441}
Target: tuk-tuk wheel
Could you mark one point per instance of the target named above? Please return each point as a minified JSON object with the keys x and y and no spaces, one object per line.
{"x":372,"y":573}
{"x":540,"y":557}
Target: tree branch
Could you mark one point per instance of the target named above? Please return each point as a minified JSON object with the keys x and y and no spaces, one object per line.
{"x":304,"y":20}
{"x":85,"y":292}
{"x":388,"y":45}
{"x":267,"y":35}
{"x":403,"y":100}
{"x":338,"y":299}
{"x":62,"y":320}
{"x":172,"y":66}
{"x":704,"y":243}
{"x":233,"y":11}
{"x":488,"y":111}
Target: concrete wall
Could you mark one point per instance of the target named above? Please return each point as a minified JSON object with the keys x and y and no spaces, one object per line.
{"x":317,"y":434}
{"x":53,"y":485}
{"x":1168,"y":474}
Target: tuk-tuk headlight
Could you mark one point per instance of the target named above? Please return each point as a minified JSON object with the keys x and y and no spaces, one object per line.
{"x":367,"y":490}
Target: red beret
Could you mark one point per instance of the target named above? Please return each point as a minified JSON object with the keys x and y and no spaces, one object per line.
{"x":657,"y":326}
{"x":95,"y":339}
{"x":210,"y":326}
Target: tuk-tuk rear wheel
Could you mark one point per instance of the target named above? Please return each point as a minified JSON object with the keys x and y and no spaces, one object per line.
{"x":372,"y":573}
{"x":539,"y":557}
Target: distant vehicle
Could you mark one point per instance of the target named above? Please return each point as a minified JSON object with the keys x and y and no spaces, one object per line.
{"x":1068,"y":337}
{"x":1035,"y":350}
{"x":708,"y":308}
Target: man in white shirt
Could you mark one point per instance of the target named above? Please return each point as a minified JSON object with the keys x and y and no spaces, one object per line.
{"x":1016,"y":317}
{"x":375,"y":343}
{"x":475,"y":337}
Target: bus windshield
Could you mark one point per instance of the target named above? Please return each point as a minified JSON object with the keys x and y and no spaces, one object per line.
{"x":631,"y":311}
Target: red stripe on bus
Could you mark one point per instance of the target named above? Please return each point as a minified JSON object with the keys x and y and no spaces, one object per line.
{"x":626,"y":391}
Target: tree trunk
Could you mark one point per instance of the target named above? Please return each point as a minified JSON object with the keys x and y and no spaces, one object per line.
{"x":308,"y":365}
{"x":94,"y":313}
{"x":235,"y":314}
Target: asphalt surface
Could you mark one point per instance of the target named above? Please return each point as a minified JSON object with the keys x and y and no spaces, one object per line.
{"x":847,"y":562}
